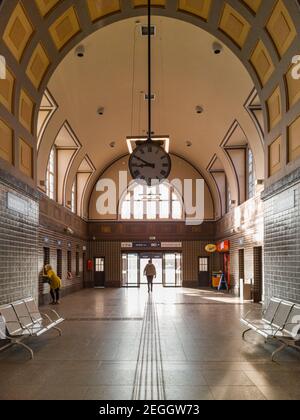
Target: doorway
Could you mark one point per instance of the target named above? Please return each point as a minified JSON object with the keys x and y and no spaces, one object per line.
{"x":168,"y":268}
{"x":258,"y":274}
{"x":157,"y":261}
{"x":99,"y":275}
{"x":204,"y":272}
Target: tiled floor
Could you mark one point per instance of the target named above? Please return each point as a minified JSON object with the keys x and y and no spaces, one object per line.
{"x":121,"y":344}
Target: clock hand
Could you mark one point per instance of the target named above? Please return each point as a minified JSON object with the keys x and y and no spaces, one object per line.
{"x":146,"y":164}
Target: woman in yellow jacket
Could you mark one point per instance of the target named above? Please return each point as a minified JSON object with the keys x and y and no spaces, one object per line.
{"x":55,"y":284}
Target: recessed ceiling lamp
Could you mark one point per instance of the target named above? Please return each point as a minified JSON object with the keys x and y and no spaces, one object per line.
{"x":217,"y":48}
{"x":199,"y":109}
{"x":80,"y":51}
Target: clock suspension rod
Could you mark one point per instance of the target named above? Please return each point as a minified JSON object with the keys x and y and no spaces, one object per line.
{"x":149,"y":75}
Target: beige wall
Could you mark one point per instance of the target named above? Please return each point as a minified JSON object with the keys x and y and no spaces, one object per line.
{"x":180,"y":170}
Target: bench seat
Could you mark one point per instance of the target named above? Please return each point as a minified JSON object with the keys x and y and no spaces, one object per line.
{"x":23,"y":319}
{"x":279,"y":322}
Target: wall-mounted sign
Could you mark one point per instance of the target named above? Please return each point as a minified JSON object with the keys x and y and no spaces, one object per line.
{"x":151,"y":245}
{"x":211,"y":248}
{"x":126,"y":245}
{"x":285,"y":201}
{"x":146,"y":244}
{"x":223,"y":246}
{"x":17,"y":204}
{"x":171,"y":245}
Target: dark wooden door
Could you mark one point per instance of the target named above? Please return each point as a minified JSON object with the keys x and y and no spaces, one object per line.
{"x":258,"y":274}
{"x":99,"y":274}
{"x":204,"y":272}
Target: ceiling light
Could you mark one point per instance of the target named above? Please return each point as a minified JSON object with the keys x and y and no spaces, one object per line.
{"x":217,"y":48}
{"x":132,"y":142}
{"x":80,"y":51}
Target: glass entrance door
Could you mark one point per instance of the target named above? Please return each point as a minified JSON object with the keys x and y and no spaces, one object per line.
{"x":168,"y":269}
{"x":130,"y":270}
{"x":172,"y":270}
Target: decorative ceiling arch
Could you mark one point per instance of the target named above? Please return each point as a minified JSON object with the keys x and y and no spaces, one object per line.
{"x":263,"y":35}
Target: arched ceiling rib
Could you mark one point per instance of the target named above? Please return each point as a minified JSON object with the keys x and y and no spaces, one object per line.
{"x":186,"y":73}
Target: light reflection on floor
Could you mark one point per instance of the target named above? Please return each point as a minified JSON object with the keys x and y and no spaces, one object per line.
{"x":115,"y":339}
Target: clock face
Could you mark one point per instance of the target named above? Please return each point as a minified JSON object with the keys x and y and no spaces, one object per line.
{"x":150,"y":163}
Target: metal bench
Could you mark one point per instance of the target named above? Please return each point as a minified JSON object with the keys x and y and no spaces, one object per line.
{"x":23,"y":319}
{"x":279,"y":322}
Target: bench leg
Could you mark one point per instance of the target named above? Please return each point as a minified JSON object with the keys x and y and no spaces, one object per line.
{"x":7,"y":346}
{"x":19,"y":343}
{"x":245,"y":332}
{"x":59,"y":330}
{"x":281,"y":348}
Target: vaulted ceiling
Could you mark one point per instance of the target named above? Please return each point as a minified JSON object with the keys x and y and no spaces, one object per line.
{"x":186,"y":73}
{"x":38,"y":39}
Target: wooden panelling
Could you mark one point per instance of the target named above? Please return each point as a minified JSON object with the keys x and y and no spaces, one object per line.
{"x":275,"y":158}
{"x":6,"y":142}
{"x":18,"y":32}
{"x":100,"y":8}
{"x":64,"y":28}
{"x":192,"y":250}
{"x":37,"y":66}
{"x":199,"y":8}
{"x":163,"y":231}
{"x":7,"y":90}
{"x":281,"y":28}
{"x":26,"y":108}
{"x":262,"y":62}
{"x":274,"y":108}
{"x":25,"y":158}
{"x":234,"y":25}
{"x":111,"y":251}
{"x":294,"y":140}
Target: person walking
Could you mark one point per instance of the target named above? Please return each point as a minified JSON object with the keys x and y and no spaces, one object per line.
{"x":55,"y":284}
{"x":150,"y":273}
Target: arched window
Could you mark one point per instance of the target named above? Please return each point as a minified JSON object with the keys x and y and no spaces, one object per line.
{"x":161,"y":202}
{"x":51,"y":175}
{"x":74,"y":197}
{"x":250,"y":173}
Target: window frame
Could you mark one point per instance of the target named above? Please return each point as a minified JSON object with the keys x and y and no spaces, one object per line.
{"x":133,"y":212}
{"x":251,"y":175}
{"x":51,"y":175}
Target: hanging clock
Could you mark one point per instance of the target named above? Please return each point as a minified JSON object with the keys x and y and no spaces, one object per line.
{"x":150,"y":163}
